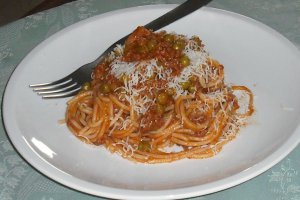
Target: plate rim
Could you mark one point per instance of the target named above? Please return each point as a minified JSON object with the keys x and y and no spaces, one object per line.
{"x":119,"y":193}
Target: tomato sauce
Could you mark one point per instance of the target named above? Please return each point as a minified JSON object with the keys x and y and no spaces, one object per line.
{"x":143,"y":44}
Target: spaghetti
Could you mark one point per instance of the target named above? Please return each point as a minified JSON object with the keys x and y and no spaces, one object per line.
{"x":158,"y":98}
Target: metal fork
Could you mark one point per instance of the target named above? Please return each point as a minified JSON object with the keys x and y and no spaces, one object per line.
{"x":72,"y":83}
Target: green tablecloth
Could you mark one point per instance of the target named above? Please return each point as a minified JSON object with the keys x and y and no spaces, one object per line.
{"x":18,"y":180}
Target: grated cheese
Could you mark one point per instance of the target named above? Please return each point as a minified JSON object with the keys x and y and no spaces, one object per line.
{"x":138,"y":73}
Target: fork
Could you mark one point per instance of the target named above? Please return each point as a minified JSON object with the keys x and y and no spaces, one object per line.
{"x":72,"y":83}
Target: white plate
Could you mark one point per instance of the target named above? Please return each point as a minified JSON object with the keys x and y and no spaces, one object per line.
{"x":253,"y":55}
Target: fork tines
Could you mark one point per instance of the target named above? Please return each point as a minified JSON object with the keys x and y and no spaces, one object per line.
{"x":58,"y":89}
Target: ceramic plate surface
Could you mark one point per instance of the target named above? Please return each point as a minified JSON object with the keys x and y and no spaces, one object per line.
{"x":252,"y":54}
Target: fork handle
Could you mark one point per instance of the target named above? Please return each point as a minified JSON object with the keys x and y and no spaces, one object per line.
{"x":180,"y":11}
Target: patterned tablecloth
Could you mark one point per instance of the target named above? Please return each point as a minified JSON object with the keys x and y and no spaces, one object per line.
{"x":18,"y":180}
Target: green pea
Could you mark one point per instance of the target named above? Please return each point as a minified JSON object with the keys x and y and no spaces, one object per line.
{"x":185,"y":61}
{"x":151,"y":44}
{"x":169,"y":38}
{"x":124,"y":78}
{"x":185,"y":85}
{"x":178,"y":45}
{"x":192,"y":89}
{"x":163,"y":98}
{"x":105,"y":88}
{"x":160,"y":109}
{"x":144,"y":146}
{"x":86,"y":86}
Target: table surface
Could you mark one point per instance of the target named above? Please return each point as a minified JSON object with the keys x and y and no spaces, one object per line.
{"x":18,"y":180}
